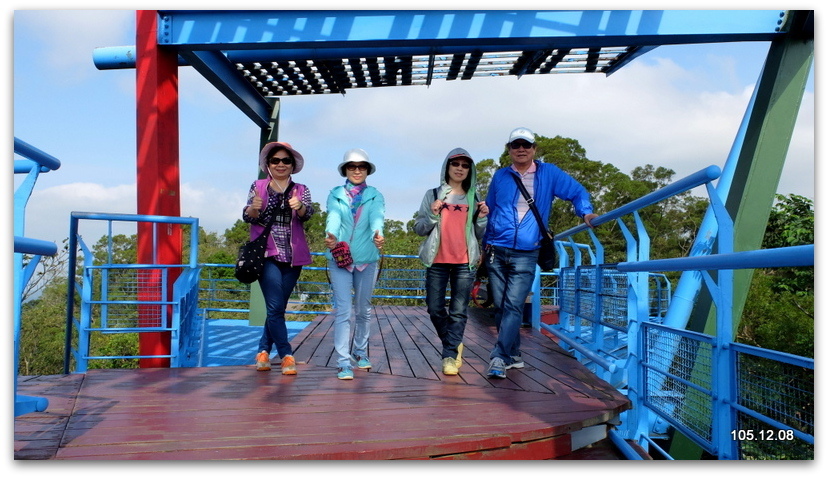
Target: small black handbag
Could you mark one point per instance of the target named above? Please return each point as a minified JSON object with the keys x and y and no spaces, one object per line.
{"x":547,"y":257}
{"x":251,"y":259}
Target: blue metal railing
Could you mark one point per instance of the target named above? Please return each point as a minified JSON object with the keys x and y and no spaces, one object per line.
{"x":36,"y":162}
{"x":733,"y":396}
{"x":117,"y":298}
{"x":709,"y":388}
{"x":222,"y":296}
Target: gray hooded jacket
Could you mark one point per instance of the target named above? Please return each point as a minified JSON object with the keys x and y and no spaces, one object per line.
{"x":428,"y":224}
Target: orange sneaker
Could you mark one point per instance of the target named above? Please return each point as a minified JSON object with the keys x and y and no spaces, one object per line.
{"x":263,"y":361}
{"x":288,"y":365}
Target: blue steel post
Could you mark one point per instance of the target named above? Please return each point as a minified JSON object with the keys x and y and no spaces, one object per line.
{"x":724,"y":369}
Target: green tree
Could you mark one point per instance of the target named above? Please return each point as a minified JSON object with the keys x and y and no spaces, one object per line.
{"x":779,"y":310}
{"x":43,"y":331}
{"x":791,"y":223}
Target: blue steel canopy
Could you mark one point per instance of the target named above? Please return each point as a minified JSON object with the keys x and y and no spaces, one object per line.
{"x":251,"y":56}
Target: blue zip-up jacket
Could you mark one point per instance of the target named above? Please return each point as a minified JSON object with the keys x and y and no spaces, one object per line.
{"x":359,"y":236}
{"x":504,"y":229}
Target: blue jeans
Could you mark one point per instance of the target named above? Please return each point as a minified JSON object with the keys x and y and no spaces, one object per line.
{"x":277,"y":283}
{"x":511,"y":274}
{"x":450,"y":324}
{"x":342,"y":283}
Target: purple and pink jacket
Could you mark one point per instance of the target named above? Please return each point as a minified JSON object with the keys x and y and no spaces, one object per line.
{"x":298,"y":242}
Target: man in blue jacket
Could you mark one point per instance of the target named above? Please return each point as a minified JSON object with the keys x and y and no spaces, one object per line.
{"x":513,"y":234}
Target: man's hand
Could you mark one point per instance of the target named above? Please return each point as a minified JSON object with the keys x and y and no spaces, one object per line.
{"x":588,"y":219}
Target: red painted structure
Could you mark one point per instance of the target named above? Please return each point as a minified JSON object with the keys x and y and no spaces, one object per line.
{"x":157,"y":176}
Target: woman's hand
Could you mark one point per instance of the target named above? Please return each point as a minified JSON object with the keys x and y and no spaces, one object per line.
{"x":436,"y":206}
{"x":379,"y":241}
{"x":294,"y":202}
{"x":483,"y":208}
{"x":330,"y":241}
{"x":255,"y":207}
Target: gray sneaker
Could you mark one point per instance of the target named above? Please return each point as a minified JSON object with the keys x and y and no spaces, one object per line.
{"x":497,"y":368}
{"x":517,"y":362}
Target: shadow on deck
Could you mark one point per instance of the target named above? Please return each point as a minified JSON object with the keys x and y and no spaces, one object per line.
{"x":403,"y":408}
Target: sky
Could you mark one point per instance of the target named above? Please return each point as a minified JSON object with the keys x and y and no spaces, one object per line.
{"x":677,"y":107}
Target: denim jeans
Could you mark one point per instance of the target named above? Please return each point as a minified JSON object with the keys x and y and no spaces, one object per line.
{"x":450,"y":324}
{"x":511,"y":274}
{"x":277,"y":283}
{"x":342,"y":283}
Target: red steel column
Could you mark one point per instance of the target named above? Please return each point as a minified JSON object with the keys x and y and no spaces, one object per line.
{"x":157,"y":178}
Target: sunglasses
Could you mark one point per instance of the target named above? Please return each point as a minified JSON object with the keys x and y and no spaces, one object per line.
{"x":354,"y":167}
{"x":288,"y":161}
{"x":521,"y":144}
{"x":460,"y":164}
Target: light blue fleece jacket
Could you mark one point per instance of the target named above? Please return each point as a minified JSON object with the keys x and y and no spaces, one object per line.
{"x":359,"y":235}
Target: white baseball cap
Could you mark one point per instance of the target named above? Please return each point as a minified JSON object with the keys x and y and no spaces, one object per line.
{"x":522,"y":133}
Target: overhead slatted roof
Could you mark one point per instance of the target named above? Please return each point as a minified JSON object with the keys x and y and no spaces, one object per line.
{"x":305,"y":77}
{"x":253,"y":56}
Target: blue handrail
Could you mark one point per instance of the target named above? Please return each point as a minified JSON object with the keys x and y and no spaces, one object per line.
{"x":36,"y":162}
{"x":694,"y":180}
{"x":795,"y":256}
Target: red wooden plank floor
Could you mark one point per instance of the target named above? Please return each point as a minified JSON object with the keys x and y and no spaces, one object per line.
{"x":404,"y":408}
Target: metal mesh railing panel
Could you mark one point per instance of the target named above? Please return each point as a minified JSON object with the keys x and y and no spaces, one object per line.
{"x":782,"y":392}
{"x":679,"y":379}
{"x":116,"y":303}
{"x":567,"y":291}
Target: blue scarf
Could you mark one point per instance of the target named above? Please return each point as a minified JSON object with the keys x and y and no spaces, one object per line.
{"x":355,"y":193}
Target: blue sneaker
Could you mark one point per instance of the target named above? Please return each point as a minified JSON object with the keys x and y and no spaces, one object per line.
{"x":345,"y":373}
{"x":363,"y":362}
{"x":497,"y":369}
{"x":517,"y":362}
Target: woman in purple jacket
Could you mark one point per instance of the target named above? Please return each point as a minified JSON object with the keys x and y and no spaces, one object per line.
{"x":289,"y":205}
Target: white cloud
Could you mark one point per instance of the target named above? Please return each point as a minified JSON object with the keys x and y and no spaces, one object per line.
{"x":48,"y":210}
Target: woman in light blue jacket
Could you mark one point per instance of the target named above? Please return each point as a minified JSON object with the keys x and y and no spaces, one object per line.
{"x":356,"y":216}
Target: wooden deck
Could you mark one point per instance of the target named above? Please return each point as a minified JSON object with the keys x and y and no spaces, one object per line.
{"x":404,"y":408}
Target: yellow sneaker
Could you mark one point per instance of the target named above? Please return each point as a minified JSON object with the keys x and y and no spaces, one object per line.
{"x":449,"y":366}
{"x":288,"y":365}
{"x":459,"y":360}
{"x":263,"y":361}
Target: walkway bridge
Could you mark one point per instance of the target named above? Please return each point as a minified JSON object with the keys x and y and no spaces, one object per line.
{"x":643,"y":378}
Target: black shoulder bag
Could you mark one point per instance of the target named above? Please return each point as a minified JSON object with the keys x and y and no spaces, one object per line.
{"x":547,"y":258}
{"x":251,"y":259}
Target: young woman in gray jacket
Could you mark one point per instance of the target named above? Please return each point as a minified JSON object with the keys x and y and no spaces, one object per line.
{"x":453,"y":220}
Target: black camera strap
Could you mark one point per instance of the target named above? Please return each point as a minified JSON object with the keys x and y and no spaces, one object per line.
{"x":531,"y":201}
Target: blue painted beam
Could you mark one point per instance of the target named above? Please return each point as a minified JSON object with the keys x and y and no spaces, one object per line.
{"x":228,"y":30}
{"x":24,"y":404}
{"x":216,"y":69}
{"x":26,"y":245}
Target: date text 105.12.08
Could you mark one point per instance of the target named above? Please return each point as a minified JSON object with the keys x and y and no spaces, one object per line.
{"x":766,"y":435}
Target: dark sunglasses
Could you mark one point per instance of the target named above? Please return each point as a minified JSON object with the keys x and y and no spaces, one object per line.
{"x":460,"y":164}
{"x":521,"y":144}
{"x":288,"y":161}
{"x":354,"y":167}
